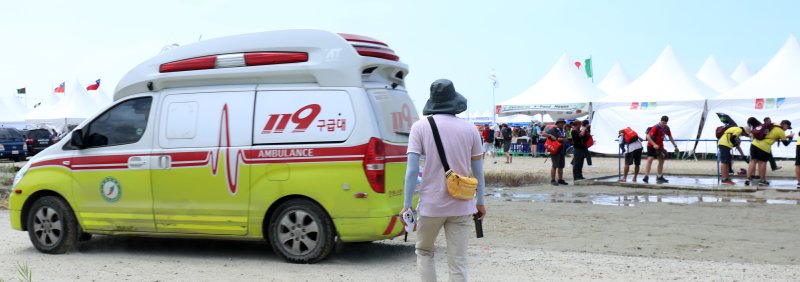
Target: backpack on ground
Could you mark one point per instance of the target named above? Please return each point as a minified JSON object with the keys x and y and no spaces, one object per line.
{"x":721,"y":130}
{"x":629,"y":135}
{"x":760,"y":132}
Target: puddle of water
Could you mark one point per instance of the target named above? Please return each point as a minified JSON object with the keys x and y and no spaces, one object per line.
{"x":626,"y":200}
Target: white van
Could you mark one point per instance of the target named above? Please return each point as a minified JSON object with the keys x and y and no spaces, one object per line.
{"x":296,"y":137}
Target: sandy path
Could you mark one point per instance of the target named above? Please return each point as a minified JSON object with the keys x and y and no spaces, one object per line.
{"x":526,"y":240}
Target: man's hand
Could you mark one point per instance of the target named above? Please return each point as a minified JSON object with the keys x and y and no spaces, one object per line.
{"x":656,"y":146}
{"x":481,"y":211}
{"x":401,"y":216}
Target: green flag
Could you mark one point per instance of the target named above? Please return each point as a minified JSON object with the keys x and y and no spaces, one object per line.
{"x":21,"y":90}
{"x":588,"y":66}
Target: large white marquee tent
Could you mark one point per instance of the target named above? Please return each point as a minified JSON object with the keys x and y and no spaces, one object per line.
{"x":76,"y":106}
{"x":12,"y":113}
{"x":772,"y":92}
{"x":741,"y":73}
{"x":711,"y":74}
{"x":564,"y":92}
{"x":666,"y":88}
{"x":615,"y":80}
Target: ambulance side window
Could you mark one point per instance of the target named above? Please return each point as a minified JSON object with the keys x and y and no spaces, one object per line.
{"x":123,"y":124}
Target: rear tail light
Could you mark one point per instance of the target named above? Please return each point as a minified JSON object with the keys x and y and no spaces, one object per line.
{"x":370,"y":47}
{"x":234,"y":60}
{"x":375,"y":164}
{"x":258,"y":59}
{"x":29,"y":141}
{"x":383,"y":53}
{"x":201,"y":63}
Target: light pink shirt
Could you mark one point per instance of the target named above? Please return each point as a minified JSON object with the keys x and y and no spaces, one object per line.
{"x":461,"y":142}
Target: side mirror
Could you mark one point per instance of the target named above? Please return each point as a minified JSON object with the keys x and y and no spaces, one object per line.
{"x":76,"y":139}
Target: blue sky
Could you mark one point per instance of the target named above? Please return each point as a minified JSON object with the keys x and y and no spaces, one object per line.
{"x":46,"y":42}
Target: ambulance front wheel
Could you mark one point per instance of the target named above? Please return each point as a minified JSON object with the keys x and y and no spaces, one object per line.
{"x":301,"y":232}
{"x":52,"y":226}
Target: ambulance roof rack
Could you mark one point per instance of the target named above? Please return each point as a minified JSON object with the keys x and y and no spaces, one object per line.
{"x":287,"y":56}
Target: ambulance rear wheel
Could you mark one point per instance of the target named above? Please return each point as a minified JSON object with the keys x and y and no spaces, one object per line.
{"x":52,"y":226}
{"x":301,"y":232}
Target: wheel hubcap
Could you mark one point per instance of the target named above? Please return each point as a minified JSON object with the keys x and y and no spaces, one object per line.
{"x":47,"y":226}
{"x":298,"y":232}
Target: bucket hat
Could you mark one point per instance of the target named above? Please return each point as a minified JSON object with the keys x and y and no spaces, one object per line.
{"x":444,"y":99}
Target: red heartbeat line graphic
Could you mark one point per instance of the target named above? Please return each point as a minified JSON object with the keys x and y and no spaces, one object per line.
{"x":232,"y":172}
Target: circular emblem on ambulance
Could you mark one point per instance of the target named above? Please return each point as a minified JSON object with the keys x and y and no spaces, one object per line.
{"x":110,"y":189}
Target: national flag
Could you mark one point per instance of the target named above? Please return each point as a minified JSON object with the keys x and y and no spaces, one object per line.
{"x":578,"y":64}
{"x":21,"y":90}
{"x":60,"y":88}
{"x":493,"y":78}
{"x":94,"y":86}
{"x":588,"y":67}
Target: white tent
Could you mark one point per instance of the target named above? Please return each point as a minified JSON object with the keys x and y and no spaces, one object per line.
{"x":666,"y":88}
{"x":615,"y":80}
{"x":773,"y":92}
{"x":516,"y":120}
{"x":741,"y":73}
{"x":100,"y":98}
{"x":564,"y":92}
{"x":75,"y":107}
{"x":12,"y":112}
{"x":712,"y":75}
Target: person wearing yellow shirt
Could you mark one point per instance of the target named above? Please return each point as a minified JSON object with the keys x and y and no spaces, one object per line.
{"x":760,"y":151}
{"x":729,"y":140}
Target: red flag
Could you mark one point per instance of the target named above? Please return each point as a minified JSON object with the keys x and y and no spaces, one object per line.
{"x":94,"y":86}
{"x":578,"y":64}
{"x":60,"y":88}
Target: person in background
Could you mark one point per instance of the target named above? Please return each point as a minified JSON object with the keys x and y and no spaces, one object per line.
{"x":507,"y":136}
{"x":761,"y":149}
{"x":633,"y":154}
{"x":535,"y":132}
{"x":655,"y":149}
{"x":728,"y":141}
{"x":436,"y":208}
{"x":488,"y":138}
{"x":772,"y":163}
{"x":557,"y":133}
{"x":587,"y":126}
{"x":796,"y":159}
{"x":579,"y":138}
{"x":498,"y":137}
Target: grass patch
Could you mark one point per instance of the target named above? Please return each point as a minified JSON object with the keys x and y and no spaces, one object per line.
{"x":512,"y":179}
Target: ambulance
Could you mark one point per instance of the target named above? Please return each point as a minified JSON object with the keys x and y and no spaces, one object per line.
{"x":296,"y":137}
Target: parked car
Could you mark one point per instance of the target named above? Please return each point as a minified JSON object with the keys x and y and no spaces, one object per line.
{"x":12,"y":145}
{"x":38,"y":140}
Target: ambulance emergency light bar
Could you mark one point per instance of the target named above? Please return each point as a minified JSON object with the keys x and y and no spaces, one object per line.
{"x":365,"y":46}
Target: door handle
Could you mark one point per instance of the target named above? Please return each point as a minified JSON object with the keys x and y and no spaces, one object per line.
{"x":164,"y":162}
{"x":136,"y":162}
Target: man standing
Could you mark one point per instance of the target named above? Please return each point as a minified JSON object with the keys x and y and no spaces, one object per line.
{"x":507,"y":135}
{"x":728,"y":141}
{"x":655,"y":149}
{"x":436,"y":207}
{"x":488,"y":140}
{"x":579,"y":138}
{"x":557,"y":133}
{"x":535,"y":132}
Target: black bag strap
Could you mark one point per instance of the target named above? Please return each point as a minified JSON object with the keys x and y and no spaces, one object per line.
{"x":439,"y":146}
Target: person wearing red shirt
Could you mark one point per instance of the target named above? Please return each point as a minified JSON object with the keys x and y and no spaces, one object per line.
{"x":655,"y":149}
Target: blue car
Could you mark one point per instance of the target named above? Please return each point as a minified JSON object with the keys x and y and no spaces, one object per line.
{"x":12,"y":145}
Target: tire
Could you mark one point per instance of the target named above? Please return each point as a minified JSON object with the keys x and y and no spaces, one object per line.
{"x":52,"y":226}
{"x":85,"y":237}
{"x":299,"y":231}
